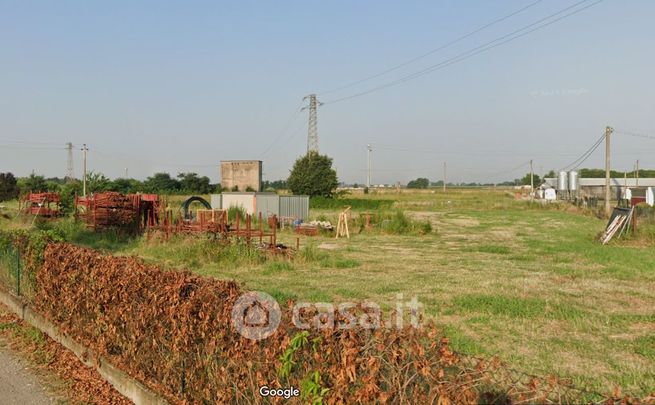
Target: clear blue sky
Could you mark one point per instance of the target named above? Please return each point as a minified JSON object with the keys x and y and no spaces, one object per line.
{"x":178,"y":86}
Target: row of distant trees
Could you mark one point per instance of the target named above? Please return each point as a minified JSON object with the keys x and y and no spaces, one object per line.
{"x":312,"y":175}
{"x":162,"y":183}
{"x":421,"y":182}
{"x":159,"y":183}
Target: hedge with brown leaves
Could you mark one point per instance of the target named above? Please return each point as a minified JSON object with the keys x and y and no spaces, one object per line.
{"x":172,"y":331}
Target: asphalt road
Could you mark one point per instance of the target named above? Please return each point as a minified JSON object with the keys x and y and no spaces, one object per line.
{"x":18,"y":384}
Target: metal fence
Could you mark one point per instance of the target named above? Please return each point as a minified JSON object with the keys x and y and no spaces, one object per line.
{"x":12,"y":275}
{"x":294,"y":206}
{"x":266,"y":204}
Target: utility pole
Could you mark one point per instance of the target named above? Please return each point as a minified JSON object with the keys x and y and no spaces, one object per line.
{"x":444,"y":177}
{"x":70,"y":172}
{"x":368,"y":175}
{"x":531,"y":182}
{"x":608,"y":194}
{"x":84,"y":150}
{"x":312,"y":130}
{"x":637,"y":174}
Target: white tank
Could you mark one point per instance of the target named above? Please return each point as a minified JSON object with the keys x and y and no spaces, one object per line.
{"x":563,"y":181}
{"x":573,"y":180}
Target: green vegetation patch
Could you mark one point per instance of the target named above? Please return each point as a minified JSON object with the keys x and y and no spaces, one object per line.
{"x":515,"y":307}
{"x":354,"y":203}
{"x":497,"y":249}
{"x":645,"y":346}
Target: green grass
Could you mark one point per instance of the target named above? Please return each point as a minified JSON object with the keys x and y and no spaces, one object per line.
{"x":354,"y":203}
{"x":515,"y":307}
{"x":499,"y":276}
{"x":645,"y":346}
{"x":502,"y":250}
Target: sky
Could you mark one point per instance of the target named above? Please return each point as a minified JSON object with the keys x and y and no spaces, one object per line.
{"x":172,"y":86}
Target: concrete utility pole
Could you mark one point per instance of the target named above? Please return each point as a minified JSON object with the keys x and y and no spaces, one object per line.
{"x":84,"y":150}
{"x":312,"y":130}
{"x":637,"y":174}
{"x":531,"y":181}
{"x":70,"y":172}
{"x":444,"y":176}
{"x":608,"y":193}
{"x":368,"y":174}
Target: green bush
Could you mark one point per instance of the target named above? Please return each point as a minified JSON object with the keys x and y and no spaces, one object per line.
{"x":397,"y":223}
{"x":311,"y":253}
{"x":232,"y":213}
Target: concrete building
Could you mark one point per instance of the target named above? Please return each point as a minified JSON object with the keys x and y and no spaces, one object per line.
{"x":242,"y":174}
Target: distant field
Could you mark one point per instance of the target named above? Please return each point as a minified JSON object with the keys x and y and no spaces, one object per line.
{"x":526,"y":283}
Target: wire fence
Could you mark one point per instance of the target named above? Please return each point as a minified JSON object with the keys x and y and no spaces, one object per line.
{"x":524,"y":387}
{"x":12,"y":271}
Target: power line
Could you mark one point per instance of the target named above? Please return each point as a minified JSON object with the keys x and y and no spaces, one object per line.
{"x":435,"y":50}
{"x":524,"y":164}
{"x":576,"y":163}
{"x":131,"y":160}
{"x":460,"y":153}
{"x":34,"y":142}
{"x":635,"y":134}
{"x":31,"y":147}
{"x":479,"y":49}
{"x":283,"y":131}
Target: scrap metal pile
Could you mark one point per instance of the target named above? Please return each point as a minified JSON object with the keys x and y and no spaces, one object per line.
{"x":147,"y":212}
{"x":216,"y":222}
{"x":110,"y":210}
{"x":620,"y":223}
{"x":42,"y":204}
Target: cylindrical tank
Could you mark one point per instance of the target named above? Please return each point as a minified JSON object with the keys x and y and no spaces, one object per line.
{"x":573,"y":180}
{"x":563,"y":181}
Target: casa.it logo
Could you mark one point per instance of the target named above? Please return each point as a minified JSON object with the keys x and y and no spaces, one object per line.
{"x":256,"y":315}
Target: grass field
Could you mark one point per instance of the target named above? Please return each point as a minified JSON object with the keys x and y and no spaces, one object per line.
{"x":502,"y":277}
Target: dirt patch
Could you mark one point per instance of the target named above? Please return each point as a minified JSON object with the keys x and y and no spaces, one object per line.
{"x":463,"y":222}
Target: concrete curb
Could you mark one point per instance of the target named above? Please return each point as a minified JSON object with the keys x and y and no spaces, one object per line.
{"x":123,"y":383}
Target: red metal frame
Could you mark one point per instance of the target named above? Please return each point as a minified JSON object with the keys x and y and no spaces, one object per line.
{"x":45,"y":205}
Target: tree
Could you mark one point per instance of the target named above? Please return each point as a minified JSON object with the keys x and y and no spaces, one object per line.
{"x":191,"y":183}
{"x":8,"y":187}
{"x":68,"y":192}
{"x":97,"y":183}
{"x":274,"y":185}
{"x":526,"y":180}
{"x":421,"y":182}
{"x":161,"y":183}
{"x":313,"y":175}
{"x":126,"y":186}
{"x":33,"y":183}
